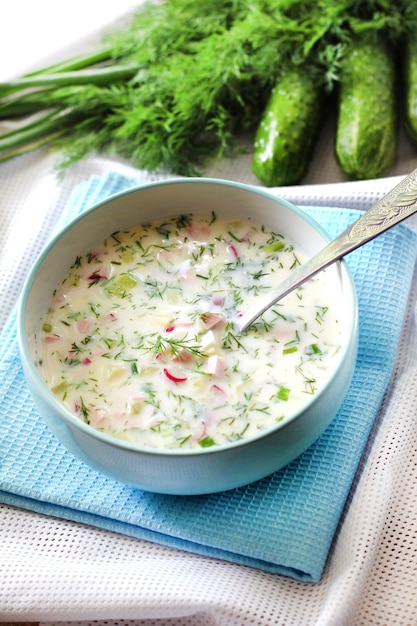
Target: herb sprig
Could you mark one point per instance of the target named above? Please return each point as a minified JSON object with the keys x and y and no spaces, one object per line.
{"x":176,"y":347}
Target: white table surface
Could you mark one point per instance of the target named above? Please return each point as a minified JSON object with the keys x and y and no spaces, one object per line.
{"x":33,"y":31}
{"x":55,"y":571}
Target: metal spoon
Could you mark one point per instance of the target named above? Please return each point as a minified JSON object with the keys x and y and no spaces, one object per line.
{"x":394,"y":207}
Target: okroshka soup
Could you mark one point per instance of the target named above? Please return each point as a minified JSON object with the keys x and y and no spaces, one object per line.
{"x":138,"y":339}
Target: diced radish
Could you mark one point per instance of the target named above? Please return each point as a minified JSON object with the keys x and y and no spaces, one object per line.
{"x":84,"y":325}
{"x":98,"y":417}
{"x":186,"y":272}
{"x":210,"y":320}
{"x":232,"y":248}
{"x":60,"y":298}
{"x":178,"y":331}
{"x":183,"y":356}
{"x":175,"y":379}
{"x":218,"y":299}
{"x":214,"y":365}
{"x":105,"y":319}
{"x":198,"y":231}
{"x":180,"y":323}
{"x":204,"y":425}
{"x":95,"y":276}
{"x":51,"y":338}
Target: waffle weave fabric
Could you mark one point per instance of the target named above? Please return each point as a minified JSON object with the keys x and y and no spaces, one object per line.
{"x":284,"y":524}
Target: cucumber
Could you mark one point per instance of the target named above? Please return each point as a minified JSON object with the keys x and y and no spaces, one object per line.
{"x":366,"y":132}
{"x":285,"y":137}
{"x":410,"y":85}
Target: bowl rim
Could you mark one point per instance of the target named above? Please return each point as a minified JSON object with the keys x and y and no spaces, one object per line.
{"x":74,"y":421}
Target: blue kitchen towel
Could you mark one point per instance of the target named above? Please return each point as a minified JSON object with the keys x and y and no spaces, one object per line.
{"x":284,"y":523}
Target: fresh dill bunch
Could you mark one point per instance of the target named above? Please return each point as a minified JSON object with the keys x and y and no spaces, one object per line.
{"x":158,"y":30}
{"x":189,"y":105}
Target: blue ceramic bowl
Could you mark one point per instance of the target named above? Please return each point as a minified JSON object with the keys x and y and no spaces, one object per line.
{"x":206,"y":470}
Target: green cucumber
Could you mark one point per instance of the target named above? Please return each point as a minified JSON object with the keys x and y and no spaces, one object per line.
{"x":288,"y":128}
{"x":366,"y":133}
{"x":410,"y":84}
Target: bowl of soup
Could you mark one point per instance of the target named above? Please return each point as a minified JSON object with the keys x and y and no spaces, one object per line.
{"x":128,"y":337}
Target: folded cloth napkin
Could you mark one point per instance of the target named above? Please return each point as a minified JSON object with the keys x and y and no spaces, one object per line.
{"x":284,"y":523}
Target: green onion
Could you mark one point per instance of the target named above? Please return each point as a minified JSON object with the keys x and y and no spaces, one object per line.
{"x":283,"y":393}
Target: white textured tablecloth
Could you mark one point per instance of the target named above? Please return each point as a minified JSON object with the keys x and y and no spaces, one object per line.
{"x":56,"y":571}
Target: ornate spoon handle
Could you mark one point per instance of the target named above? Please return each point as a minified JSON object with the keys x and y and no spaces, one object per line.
{"x":394,"y":207}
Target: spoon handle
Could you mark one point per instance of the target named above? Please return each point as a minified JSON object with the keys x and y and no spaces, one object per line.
{"x":394,"y":207}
